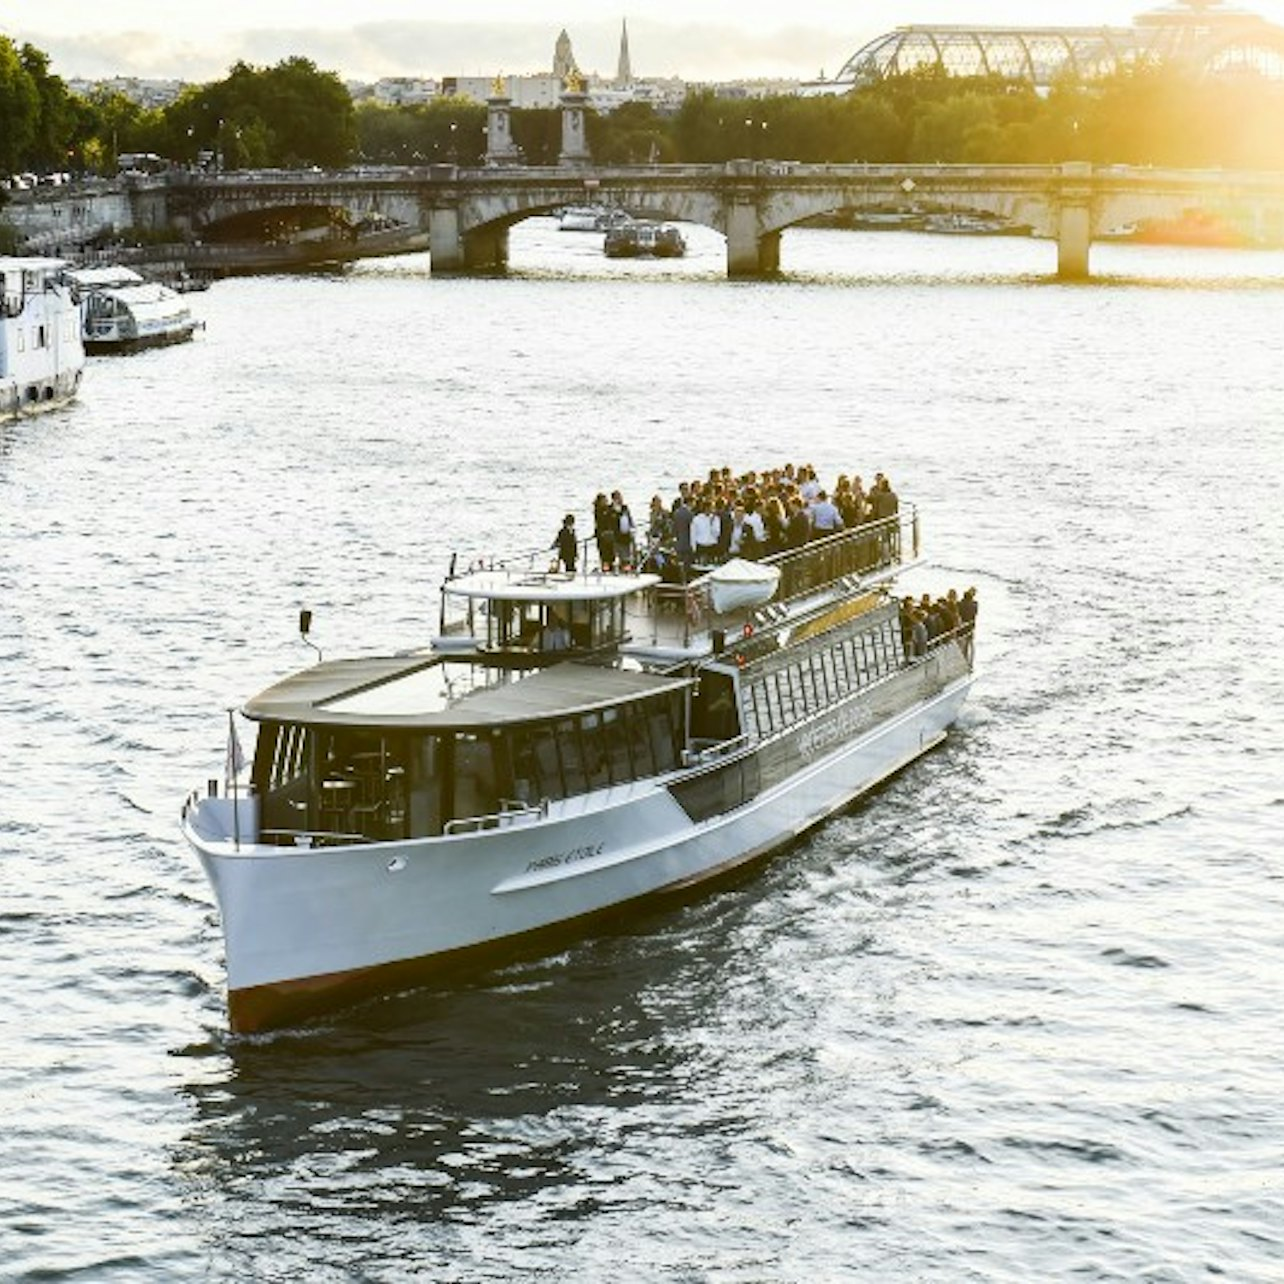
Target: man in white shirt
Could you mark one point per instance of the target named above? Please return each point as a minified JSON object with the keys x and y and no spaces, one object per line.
{"x":825,"y":518}
{"x":705,"y":529}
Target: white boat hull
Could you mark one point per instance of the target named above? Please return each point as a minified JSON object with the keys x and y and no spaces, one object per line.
{"x":34,"y":398}
{"x":306,"y":926}
{"x":42,"y":355}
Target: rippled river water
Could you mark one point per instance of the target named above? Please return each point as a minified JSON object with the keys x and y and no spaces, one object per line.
{"x":1016,"y":1017}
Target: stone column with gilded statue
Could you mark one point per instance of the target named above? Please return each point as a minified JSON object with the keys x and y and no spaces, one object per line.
{"x":500,"y":148}
{"x":574,"y":138}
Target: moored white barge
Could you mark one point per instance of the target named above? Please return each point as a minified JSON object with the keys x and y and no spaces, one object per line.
{"x":123,"y":312}
{"x":42,"y":356}
{"x":571,"y":744}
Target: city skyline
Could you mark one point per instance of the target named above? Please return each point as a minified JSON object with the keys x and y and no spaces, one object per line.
{"x":704,"y":40}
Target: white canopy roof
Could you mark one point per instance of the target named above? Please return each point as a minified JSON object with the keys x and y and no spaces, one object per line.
{"x":526,"y":586}
{"x":103,"y":277}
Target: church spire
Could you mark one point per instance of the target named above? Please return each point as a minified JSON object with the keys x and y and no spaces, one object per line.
{"x":624,"y":72}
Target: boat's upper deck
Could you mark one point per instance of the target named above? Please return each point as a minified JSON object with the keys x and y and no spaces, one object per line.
{"x":520,"y":609}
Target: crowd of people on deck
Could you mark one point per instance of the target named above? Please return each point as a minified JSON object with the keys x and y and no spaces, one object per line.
{"x":721,"y":516}
{"x":927,"y":619}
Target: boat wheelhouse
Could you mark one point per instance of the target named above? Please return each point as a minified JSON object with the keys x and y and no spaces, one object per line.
{"x":568,"y":745}
{"x":124,"y":312}
{"x":42,"y":356}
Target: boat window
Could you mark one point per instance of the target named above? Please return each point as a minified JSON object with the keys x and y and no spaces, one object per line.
{"x":769,"y":685}
{"x":807,"y":682}
{"x":281,"y":777}
{"x":824,"y":676}
{"x":574,"y":780}
{"x":829,"y":675}
{"x":895,"y":642}
{"x":762,"y":713}
{"x":665,"y":722}
{"x":617,"y":745}
{"x":771,"y":689}
{"x":639,"y":741}
{"x":812,"y":681}
{"x":866,"y":657}
{"x":593,"y":743}
{"x":884,"y":642}
{"x":425,"y":786}
{"x":280,"y":756}
{"x":525,"y":768}
{"x":514,"y":624}
{"x":790,"y":692}
{"x":842,"y":666}
{"x":608,"y":622}
{"x":548,"y":764}
{"x":473,"y":778}
{"x":857,"y":653}
{"x":714,"y":715}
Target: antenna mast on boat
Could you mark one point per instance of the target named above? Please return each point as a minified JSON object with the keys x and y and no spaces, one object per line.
{"x":305,"y":627}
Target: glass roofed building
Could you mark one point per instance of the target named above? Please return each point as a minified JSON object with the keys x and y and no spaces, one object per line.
{"x":1198,"y":33}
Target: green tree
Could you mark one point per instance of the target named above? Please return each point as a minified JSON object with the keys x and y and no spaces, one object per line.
{"x":55,"y":119}
{"x":116,"y":127}
{"x":630,"y":135}
{"x":537,"y":132}
{"x":19,"y":109}
{"x":284,"y":116}
{"x":944,"y":129}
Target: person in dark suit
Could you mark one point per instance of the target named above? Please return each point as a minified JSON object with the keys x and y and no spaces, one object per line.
{"x":566,"y":543}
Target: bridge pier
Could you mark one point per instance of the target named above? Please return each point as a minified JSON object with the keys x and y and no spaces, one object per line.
{"x":445,"y":242}
{"x":1074,"y":221}
{"x":450,"y":249}
{"x":748,"y":253}
{"x":486,"y":249}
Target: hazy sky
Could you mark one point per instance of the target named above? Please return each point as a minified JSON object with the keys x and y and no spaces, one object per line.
{"x":694,"y":39}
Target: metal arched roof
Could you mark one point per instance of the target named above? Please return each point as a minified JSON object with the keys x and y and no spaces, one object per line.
{"x":1212,"y":40}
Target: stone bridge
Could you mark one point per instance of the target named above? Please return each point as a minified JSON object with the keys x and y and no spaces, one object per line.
{"x":468,"y":212}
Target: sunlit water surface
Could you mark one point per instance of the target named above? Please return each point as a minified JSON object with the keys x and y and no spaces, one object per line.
{"x":1015,"y":1017}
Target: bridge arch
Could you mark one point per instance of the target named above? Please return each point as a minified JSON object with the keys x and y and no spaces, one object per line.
{"x":479,"y":237}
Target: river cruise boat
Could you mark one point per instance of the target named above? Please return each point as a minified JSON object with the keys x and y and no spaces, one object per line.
{"x":568,"y":746}
{"x":590,"y":218}
{"x":42,"y":356}
{"x":639,"y":240}
{"x":123,"y":312}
